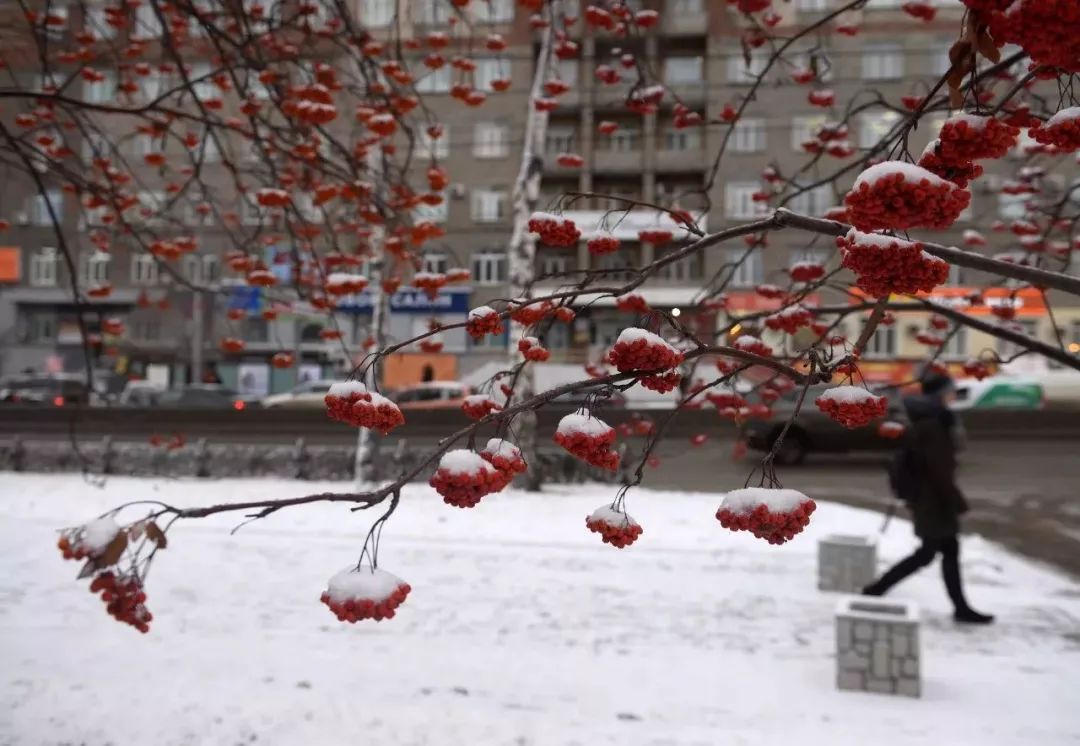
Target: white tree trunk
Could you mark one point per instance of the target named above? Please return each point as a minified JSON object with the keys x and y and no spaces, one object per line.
{"x":521,"y":252}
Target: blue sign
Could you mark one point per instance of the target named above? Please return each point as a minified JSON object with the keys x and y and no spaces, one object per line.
{"x":411,"y":300}
{"x":246,"y":297}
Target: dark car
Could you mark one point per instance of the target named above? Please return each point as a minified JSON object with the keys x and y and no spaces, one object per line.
{"x":202,"y":396}
{"x":815,"y":432}
{"x":57,"y":391}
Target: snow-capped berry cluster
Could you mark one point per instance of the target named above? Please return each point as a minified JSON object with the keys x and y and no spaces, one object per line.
{"x":632,"y":302}
{"x":806,"y":271}
{"x":377,"y":413}
{"x":553,"y":230}
{"x":483,"y":320}
{"x":589,"y":438}
{"x":789,"y":319}
{"x":1062,"y":130}
{"x":1045,"y":29}
{"x":125,"y":599}
{"x":341,"y":397}
{"x":891,"y":429}
{"x":852,"y":406}
{"x":504,"y":456}
{"x":661,"y":382}
{"x":960,"y":173}
{"x":356,"y":594}
{"x":887,"y":264}
{"x":602,"y":243}
{"x":430,"y":283}
{"x":615,"y":528}
{"x":639,"y":349}
{"x":464,"y":477}
{"x":657,"y":237}
{"x":972,"y":137}
{"x":88,"y":541}
{"x":531,"y":349}
{"x":976,"y":368}
{"x":753,"y":345}
{"x":344,"y":283}
{"x":901,"y":195}
{"x":775,"y":515}
{"x":479,"y":406}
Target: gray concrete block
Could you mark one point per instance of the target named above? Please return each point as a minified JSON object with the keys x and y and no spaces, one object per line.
{"x":880,"y":686}
{"x":850,"y":680}
{"x":880,"y":661}
{"x":909,"y":688}
{"x":864,"y":631}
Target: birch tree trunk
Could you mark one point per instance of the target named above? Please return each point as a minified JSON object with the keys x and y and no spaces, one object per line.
{"x":365,"y":469}
{"x":521,"y":252}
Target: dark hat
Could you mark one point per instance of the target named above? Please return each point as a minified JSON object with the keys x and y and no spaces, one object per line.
{"x":936,"y":383}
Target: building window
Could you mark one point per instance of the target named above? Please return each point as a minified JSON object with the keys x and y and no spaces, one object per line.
{"x":94,"y":269}
{"x":549,"y":265}
{"x":487,"y":70}
{"x":739,"y":72}
{"x":1007,"y":349}
{"x":567,"y":71}
{"x":560,"y":139}
{"x":144,"y":270}
{"x":377,"y":13}
{"x":682,"y":139}
{"x":748,"y":136}
{"x":681,"y":8}
{"x":495,"y":11}
{"x":882,"y":61}
{"x":43,"y":268}
{"x":434,"y":81}
{"x":433,"y":12}
{"x":102,"y":91}
{"x":738,"y":199}
{"x":434,"y":213}
{"x":41,"y":328}
{"x":805,"y":128}
{"x":438,"y":147}
{"x":956,"y":275}
{"x":38,"y":207}
{"x":814,"y":256}
{"x":683,"y":70}
{"x":490,"y":140}
{"x":874,"y":128}
{"x":489,"y":268}
{"x":1012,"y":206}
{"x":488,"y":205}
{"x":882,"y":343}
{"x":434,"y":262}
{"x":814,"y":201}
{"x":956,"y":346}
{"x":680,"y":270}
{"x":201,"y":270}
{"x":744,"y":267}
{"x":811,"y":6}
{"x":256,"y":329}
{"x":146,"y":330}
{"x":96,"y":22}
{"x":147,"y":23}
{"x":624,"y":140}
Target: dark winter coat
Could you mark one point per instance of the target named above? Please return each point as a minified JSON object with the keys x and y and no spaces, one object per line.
{"x":936,"y":501}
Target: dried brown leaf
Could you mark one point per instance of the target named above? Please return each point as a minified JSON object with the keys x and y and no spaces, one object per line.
{"x":960,"y":51}
{"x":88,"y":569}
{"x":156,"y":535}
{"x":956,"y":98}
{"x":986,"y":46}
{"x":112,"y":553}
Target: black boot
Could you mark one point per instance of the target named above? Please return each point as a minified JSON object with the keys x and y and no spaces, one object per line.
{"x":922,"y":557}
{"x":950,"y":572}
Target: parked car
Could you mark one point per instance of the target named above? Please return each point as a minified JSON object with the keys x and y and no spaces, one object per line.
{"x":202,"y":396}
{"x":815,"y":432}
{"x":580,"y":398}
{"x":141,"y":394}
{"x":307,"y":395}
{"x":431,"y":395}
{"x":998,"y":392}
{"x":56,"y":390}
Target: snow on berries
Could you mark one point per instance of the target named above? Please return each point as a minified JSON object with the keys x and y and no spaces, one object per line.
{"x":806,"y":271}
{"x":377,"y":413}
{"x":483,"y":320}
{"x":90,"y":540}
{"x":789,"y":319}
{"x":479,"y":406}
{"x":341,"y":397}
{"x":971,"y":137}
{"x":891,"y":429}
{"x":1045,"y":29}
{"x":531,"y":349}
{"x":639,"y":349}
{"x":753,"y":345}
{"x":359,"y":593}
{"x":344,"y":283}
{"x":901,"y":195}
{"x":958,"y":172}
{"x":504,"y":456}
{"x":852,"y":406}
{"x":1062,"y":130}
{"x":464,"y":477}
{"x":632,"y":302}
{"x":887,"y":264}
{"x":615,"y":527}
{"x":589,"y":438}
{"x":602,"y":243}
{"x":773,"y":514}
{"x":553,"y":230}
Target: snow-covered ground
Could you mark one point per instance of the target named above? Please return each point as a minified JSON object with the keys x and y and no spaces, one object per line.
{"x":522,"y":628}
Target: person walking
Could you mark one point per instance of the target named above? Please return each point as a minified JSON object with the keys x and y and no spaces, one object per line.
{"x":923,"y":475}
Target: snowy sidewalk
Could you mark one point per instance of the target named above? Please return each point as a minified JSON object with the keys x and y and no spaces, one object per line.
{"x":522,"y":628}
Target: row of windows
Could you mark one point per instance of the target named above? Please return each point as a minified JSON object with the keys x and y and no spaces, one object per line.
{"x":200,"y":269}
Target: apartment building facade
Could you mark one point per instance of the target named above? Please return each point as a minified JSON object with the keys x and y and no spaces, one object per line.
{"x":695,"y":51}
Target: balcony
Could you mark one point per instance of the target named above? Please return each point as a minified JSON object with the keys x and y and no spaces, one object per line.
{"x":692,"y":159}
{"x":617,"y":162}
{"x":696,"y":24}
